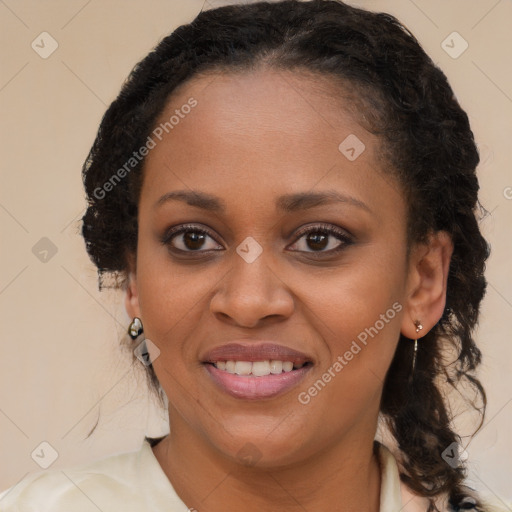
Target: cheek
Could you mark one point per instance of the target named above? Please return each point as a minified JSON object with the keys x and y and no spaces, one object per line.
{"x":357,"y":312}
{"x":358,"y":319}
{"x":170,"y":305}
{"x":174,"y":304}
{"x":354,"y":295}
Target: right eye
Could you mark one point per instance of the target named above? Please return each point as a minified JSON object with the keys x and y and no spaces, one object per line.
{"x":189,"y":238}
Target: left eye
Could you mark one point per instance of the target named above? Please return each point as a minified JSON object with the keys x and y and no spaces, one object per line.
{"x":321,"y":239}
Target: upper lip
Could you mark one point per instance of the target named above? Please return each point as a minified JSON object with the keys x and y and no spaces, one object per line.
{"x":254,"y":351}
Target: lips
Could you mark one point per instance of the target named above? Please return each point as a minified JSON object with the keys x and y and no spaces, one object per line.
{"x":253,"y":352}
{"x":240,"y":381}
{"x":246,"y":387}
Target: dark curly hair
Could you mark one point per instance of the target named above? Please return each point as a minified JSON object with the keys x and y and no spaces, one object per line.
{"x":427,"y":142}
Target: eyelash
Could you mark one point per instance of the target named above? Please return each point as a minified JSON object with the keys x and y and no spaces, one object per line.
{"x":324,"y":229}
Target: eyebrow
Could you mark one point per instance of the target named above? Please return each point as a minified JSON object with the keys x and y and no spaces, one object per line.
{"x":288,"y":203}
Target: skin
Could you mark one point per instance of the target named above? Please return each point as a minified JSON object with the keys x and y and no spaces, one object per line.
{"x":251,"y":138}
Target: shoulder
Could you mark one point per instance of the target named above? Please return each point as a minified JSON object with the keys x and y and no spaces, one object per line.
{"x":467,"y":503}
{"x":103,"y":484}
{"x":407,"y":500}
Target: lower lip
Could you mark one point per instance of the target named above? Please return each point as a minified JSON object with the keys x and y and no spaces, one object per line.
{"x":255,"y":388}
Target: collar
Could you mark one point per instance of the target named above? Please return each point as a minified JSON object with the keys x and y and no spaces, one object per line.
{"x":394,"y":495}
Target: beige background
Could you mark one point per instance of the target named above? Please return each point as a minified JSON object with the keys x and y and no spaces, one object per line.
{"x":61,"y":366}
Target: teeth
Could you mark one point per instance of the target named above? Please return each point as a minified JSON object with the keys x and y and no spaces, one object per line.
{"x":287,"y":366}
{"x":257,"y":368}
{"x":276,"y":367}
{"x":243,"y":367}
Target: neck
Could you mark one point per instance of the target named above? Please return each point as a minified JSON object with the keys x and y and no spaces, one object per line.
{"x":345,"y":476}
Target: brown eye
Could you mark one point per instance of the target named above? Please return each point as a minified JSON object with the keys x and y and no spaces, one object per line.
{"x":322,"y":239}
{"x":190,"y":239}
{"x":317,"y":241}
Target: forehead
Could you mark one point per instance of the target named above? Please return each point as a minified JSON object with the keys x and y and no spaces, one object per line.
{"x":290,"y":100}
{"x":262,"y":132}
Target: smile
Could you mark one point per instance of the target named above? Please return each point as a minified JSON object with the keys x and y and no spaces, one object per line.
{"x":257,"y":368}
{"x":256,"y":380}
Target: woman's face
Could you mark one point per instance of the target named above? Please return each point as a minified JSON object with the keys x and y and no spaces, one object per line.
{"x":302,"y":245}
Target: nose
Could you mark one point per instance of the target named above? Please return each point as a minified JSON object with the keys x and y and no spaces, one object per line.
{"x":251,"y":294}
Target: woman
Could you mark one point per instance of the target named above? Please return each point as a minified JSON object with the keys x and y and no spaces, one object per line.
{"x":287,"y":194}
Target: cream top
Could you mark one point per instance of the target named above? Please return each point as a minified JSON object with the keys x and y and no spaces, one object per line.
{"x":135,"y":482}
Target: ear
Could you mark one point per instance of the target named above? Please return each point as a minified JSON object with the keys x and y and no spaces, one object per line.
{"x":427,"y":279}
{"x":132,"y":297}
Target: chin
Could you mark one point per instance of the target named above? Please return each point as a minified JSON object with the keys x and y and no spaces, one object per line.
{"x":261,"y":450}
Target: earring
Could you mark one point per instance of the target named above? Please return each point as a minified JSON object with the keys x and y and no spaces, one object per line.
{"x":419,"y":327}
{"x":135,"y":329}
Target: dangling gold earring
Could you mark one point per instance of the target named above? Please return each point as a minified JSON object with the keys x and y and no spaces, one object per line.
{"x":419,"y":327}
{"x":135,"y":328}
